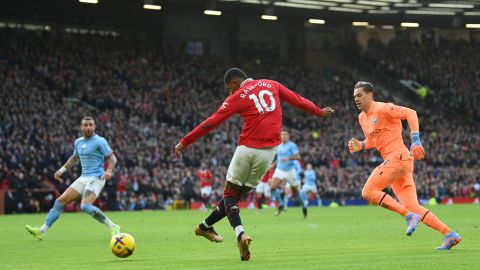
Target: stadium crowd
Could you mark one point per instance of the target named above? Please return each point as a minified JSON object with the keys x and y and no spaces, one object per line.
{"x":144,"y":102}
{"x":449,"y":67}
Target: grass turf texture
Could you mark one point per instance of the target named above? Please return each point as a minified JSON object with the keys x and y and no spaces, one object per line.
{"x":330,"y":238}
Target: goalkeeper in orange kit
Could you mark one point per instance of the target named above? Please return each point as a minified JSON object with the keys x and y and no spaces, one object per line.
{"x":382,"y":127}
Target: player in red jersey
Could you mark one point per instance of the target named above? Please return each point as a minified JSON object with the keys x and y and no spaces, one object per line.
{"x":263,"y":189}
{"x":258,"y":102}
{"x":206,"y":178}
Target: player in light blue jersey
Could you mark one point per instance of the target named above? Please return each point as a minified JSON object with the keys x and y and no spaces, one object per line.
{"x":309,"y":187}
{"x":92,"y":150}
{"x":287,"y":152}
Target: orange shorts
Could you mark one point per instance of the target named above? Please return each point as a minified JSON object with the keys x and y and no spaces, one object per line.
{"x":396,"y":171}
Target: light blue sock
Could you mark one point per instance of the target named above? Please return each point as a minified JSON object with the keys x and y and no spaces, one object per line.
{"x":278,"y":197}
{"x":97,"y":214}
{"x":319,"y":200}
{"x":53,"y":214}
{"x":286,"y":199}
{"x":303,"y":197}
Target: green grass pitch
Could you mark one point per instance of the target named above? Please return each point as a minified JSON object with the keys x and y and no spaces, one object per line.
{"x":330,"y":238}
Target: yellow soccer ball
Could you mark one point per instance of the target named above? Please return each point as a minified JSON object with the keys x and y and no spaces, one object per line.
{"x":122,"y":245}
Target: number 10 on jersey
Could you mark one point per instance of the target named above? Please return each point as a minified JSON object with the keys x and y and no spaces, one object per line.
{"x":260,"y":102}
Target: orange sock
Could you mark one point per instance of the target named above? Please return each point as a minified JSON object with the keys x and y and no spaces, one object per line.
{"x":386,"y":201}
{"x":432,"y":221}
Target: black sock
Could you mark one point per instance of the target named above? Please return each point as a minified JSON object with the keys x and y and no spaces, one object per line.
{"x":215,"y":216}
{"x":304,"y":211}
{"x":232,"y":211}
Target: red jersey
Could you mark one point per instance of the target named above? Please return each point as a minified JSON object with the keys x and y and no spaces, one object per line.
{"x":268,"y":175}
{"x":205,"y":177}
{"x":258,"y":102}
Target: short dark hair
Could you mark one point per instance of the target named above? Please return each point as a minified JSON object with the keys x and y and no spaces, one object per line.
{"x":234,"y":73}
{"x":88,"y":118}
{"x":367,"y":86}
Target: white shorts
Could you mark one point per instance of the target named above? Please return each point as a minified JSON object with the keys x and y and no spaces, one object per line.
{"x":91,"y":183}
{"x":249,"y":165}
{"x":264,"y":188}
{"x":309,"y":188}
{"x":206,"y":191}
{"x":288,"y":176}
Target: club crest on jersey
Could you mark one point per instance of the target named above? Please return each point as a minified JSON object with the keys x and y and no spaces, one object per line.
{"x":375,"y":121}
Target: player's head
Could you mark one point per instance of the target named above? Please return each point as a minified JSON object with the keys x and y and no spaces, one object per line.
{"x":285,"y":136}
{"x":203,"y":165}
{"x":363,"y":94}
{"x":87,"y":126}
{"x":309,"y":166}
{"x":233,"y":79}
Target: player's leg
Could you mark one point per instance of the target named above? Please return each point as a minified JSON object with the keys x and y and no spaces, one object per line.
{"x":407,"y":194}
{"x":257,"y":163}
{"x":206,"y":193}
{"x":295,"y":191}
{"x":287,"y":195}
{"x":304,"y":193}
{"x":235,"y":170}
{"x":90,"y":195}
{"x":259,"y":195}
{"x":70,"y":195}
{"x":206,"y":229}
{"x":382,"y":177}
{"x":275,"y":187}
{"x":319,"y":199}
{"x":267,"y":193}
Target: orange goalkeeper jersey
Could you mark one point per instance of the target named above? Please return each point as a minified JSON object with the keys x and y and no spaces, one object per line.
{"x":382,"y":127}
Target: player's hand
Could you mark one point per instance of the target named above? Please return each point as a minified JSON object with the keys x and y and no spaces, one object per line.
{"x":417,"y":152}
{"x":327,"y":112}
{"x":354,"y":145}
{"x":58,"y":174}
{"x":179,"y":150}
{"x":108,"y":174}
{"x":285,"y":159}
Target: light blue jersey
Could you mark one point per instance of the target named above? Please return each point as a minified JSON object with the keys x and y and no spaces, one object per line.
{"x":310,"y":177}
{"x":92,"y":153}
{"x":298,"y":170}
{"x":286,"y":150}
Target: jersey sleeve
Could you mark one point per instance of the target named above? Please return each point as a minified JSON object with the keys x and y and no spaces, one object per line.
{"x":104,"y":148}
{"x":294,"y":149}
{"x":392,"y":111}
{"x":228,"y":108}
{"x":298,"y":101}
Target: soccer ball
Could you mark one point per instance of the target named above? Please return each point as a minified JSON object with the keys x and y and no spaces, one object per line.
{"x":122,"y":245}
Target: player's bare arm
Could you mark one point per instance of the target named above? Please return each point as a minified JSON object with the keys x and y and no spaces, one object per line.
{"x":111,"y":161}
{"x":72,"y":160}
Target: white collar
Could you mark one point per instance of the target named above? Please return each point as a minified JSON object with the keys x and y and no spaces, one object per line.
{"x":246,"y":81}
